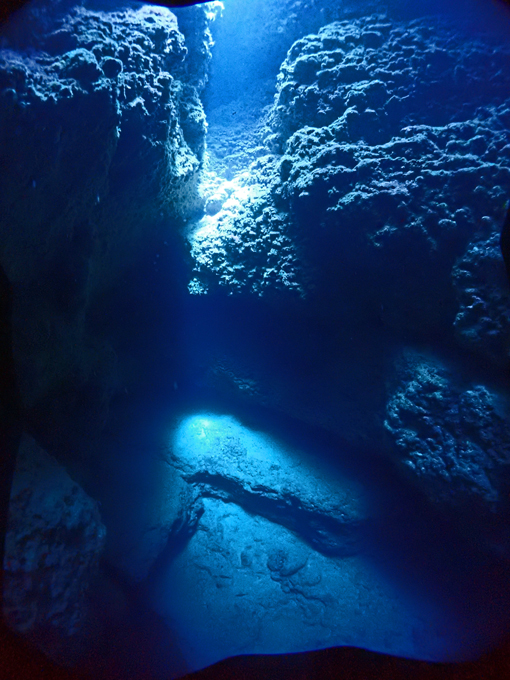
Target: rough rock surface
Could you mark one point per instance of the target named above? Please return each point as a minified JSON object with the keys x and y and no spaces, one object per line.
{"x":272,"y":593}
{"x":454,"y":437}
{"x":482,"y":323}
{"x":407,"y":201}
{"x":359,"y":213}
{"x":380,"y":173}
{"x":54,"y":542}
{"x":379,"y":166}
{"x":269,"y":29}
{"x":273,"y":537}
{"x":243,"y":238}
{"x":211,"y":456}
{"x":102,"y":130}
{"x":217,"y":457}
{"x":390,"y":73}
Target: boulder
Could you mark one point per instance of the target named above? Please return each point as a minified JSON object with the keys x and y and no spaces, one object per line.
{"x":453,"y":437}
{"x":55,"y":539}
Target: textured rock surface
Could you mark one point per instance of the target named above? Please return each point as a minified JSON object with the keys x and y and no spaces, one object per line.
{"x":54,"y":542}
{"x":381,"y":177}
{"x":391,"y":73}
{"x":355,"y":215}
{"x":243,"y":238}
{"x":454,"y":437}
{"x":211,"y":456}
{"x":482,"y":323}
{"x":271,"y":593}
{"x":379,"y":166}
{"x":217,"y":457}
{"x":269,"y":29}
{"x":103,"y":134}
{"x":273,"y":537}
{"x":384,"y":167}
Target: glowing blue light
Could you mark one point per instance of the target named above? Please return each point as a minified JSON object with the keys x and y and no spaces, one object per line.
{"x":268,"y":559}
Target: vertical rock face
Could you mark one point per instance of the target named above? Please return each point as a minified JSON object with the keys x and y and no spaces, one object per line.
{"x":102,"y":136}
{"x":268,"y":30}
{"x":371,"y":206}
{"x":384,"y":147}
{"x":54,"y":542}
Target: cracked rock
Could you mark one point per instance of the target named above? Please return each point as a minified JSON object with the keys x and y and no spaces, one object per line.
{"x":217,"y":457}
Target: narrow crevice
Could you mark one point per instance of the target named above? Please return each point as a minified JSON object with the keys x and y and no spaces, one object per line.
{"x":329,"y":536}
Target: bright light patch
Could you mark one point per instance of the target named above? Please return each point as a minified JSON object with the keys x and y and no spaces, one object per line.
{"x":270,"y":556}
{"x":224,"y":438}
{"x":221,"y":446}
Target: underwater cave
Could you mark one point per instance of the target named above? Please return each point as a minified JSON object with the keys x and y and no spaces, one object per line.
{"x":255,"y":337}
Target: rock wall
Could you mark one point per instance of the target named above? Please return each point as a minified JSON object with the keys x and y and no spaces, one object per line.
{"x":54,"y":542}
{"x":482,"y":323}
{"x":381,"y":157}
{"x":454,"y":437}
{"x":366,"y":217}
{"x":356,"y":218}
{"x":102,"y":137}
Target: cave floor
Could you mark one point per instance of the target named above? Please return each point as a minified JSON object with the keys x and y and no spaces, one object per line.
{"x":237,"y":582}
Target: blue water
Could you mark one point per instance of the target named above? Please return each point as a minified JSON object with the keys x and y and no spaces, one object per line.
{"x":248,"y":509}
{"x":416,"y":586}
{"x":432,"y":591}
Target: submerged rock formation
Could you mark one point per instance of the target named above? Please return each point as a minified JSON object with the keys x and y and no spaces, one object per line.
{"x":373,"y":201}
{"x":455,"y":438}
{"x":103,"y":134}
{"x":375,"y":165}
{"x":482,"y":324}
{"x":277,"y":538}
{"x":293,"y":260}
{"x":216,"y":457}
{"x":54,"y":541}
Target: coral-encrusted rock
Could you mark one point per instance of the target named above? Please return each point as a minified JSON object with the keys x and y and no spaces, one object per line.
{"x":389,"y":215}
{"x":243,"y":242}
{"x":389,"y":74}
{"x":54,"y":541}
{"x":384,"y":166}
{"x":482,"y":323}
{"x":454,"y":437}
{"x":102,"y":137}
{"x":97,"y":124}
{"x":387,"y":177}
{"x":382,"y":181}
